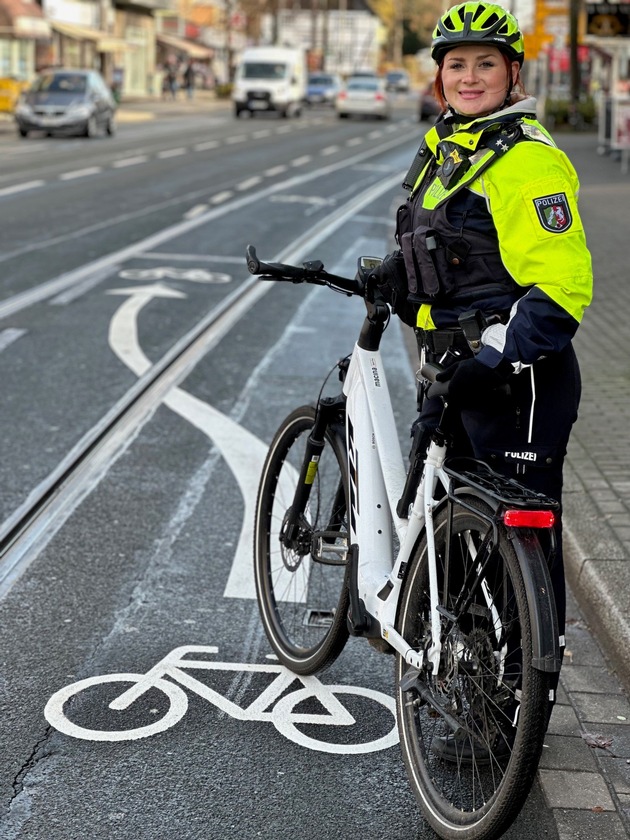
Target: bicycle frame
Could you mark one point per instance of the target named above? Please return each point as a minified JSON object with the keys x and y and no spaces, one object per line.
{"x":373,"y":443}
{"x":376,"y":577}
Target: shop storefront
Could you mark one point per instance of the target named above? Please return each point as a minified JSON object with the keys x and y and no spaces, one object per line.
{"x":608,"y":34}
{"x":22,"y":27}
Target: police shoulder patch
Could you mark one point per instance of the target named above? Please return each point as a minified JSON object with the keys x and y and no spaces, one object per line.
{"x":553,"y":212}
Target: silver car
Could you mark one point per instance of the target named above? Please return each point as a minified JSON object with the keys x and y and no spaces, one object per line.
{"x":364,"y":96}
{"x":67,"y":102}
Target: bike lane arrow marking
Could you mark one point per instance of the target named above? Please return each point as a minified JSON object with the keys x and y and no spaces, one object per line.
{"x":243,"y":452}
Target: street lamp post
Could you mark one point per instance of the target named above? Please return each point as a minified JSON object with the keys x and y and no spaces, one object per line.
{"x":574,"y":64}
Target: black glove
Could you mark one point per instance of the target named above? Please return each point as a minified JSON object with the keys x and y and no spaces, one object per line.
{"x":390,"y":278}
{"x":470,"y":381}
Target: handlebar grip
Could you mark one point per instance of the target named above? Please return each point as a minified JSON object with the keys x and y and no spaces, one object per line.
{"x":310,"y":272}
{"x":253,"y":263}
{"x":274,"y":271}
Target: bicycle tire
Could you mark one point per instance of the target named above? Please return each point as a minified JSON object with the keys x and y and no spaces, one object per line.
{"x":486,"y":661}
{"x":303,"y":602}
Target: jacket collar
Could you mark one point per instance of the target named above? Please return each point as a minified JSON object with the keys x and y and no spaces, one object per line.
{"x":468,"y":135}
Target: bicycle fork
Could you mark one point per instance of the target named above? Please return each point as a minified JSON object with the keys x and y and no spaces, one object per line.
{"x":295,"y":533}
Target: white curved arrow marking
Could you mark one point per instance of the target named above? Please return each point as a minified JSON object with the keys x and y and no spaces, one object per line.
{"x":243,"y":452}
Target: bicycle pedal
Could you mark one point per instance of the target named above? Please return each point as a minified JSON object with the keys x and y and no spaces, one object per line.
{"x":329,"y":548}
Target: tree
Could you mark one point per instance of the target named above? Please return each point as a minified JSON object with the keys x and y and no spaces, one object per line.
{"x":417,"y":16}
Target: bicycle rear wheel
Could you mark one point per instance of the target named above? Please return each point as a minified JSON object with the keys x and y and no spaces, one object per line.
{"x":472,"y":734}
{"x":301,"y":583}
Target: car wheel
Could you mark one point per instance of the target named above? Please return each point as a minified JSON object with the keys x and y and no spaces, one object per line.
{"x":22,"y":132}
{"x":110,"y":127}
{"x":342,"y":116}
{"x":91,"y":127}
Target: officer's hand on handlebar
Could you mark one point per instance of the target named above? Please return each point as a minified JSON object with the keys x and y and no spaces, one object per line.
{"x":470,"y":382}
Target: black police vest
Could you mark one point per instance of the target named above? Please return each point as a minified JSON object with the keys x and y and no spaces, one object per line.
{"x":447,"y":264}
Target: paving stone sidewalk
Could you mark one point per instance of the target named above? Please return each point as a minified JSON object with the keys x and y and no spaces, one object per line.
{"x":585,"y":770}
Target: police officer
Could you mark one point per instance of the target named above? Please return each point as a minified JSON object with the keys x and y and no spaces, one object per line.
{"x":491,"y":230}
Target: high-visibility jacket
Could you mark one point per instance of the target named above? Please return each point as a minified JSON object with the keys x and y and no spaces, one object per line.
{"x":520,"y":203}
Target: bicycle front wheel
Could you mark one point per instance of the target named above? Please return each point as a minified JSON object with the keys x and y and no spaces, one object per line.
{"x":472,"y":734}
{"x":301,"y":583}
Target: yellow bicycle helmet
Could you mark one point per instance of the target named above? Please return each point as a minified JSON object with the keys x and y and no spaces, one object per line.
{"x":478,"y":23}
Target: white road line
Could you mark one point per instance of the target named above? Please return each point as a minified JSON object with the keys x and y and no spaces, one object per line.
{"x":80,"y":173}
{"x":354,"y":141}
{"x":169,"y":153}
{"x":329,"y":150}
{"x":302,"y":199}
{"x":264,"y":132}
{"x":301,"y":160}
{"x":220,"y":197}
{"x":195,"y":211}
{"x":283,"y":129}
{"x":8,"y":336}
{"x":209,"y":144}
{"x":238,"y":138}
{"x":276,"y":170}
{"x":78,"y":289}
{"x":132,"y":161}
{"x":56,"y":285}
{"x":166,"y":257}
{"x":17,"y":188}
{"x":250,"y":182}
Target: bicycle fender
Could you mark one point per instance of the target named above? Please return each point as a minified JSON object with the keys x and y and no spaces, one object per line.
{"x":546,"y":651}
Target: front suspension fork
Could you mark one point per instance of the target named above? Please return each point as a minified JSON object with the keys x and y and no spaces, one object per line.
{"x":327,"y":410}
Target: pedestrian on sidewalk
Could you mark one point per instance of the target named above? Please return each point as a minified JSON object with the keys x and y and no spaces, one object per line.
{"x":492,"y":227}
{"x":169,"y":85}
{"x":189,"y":79}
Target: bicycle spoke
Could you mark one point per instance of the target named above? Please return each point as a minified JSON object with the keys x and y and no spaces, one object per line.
{"x":458,"y":737}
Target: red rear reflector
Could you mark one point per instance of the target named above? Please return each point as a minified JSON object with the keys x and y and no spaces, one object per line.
{"x":529,"y":518}
{"x":379,"y":97}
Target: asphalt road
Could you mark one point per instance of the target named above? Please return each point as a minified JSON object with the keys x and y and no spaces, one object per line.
{"x":112,"y":251}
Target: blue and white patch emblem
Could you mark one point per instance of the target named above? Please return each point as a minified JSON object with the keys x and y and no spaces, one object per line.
{"x":553,"y":212}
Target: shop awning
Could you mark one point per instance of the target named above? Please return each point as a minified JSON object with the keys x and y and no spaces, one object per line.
{"x":23,"y":19}
{"x":103,"y":40}
{"x":191,"y":49}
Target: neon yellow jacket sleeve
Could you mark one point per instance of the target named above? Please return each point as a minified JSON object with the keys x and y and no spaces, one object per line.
{"x":532,"y":197}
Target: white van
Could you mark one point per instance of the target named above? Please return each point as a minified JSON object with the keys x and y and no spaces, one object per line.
{"x":270,"y":79}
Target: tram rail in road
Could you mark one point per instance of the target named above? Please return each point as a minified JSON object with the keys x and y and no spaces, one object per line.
{"x":26,"y":532}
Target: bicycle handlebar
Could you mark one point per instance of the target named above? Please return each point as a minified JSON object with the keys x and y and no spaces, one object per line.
{"x":311,"y":272}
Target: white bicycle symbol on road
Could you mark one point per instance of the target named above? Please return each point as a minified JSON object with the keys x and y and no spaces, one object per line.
{"x":272,"y":705}
{"x":195,"y":275}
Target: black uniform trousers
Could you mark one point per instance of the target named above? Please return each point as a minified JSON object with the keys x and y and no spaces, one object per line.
{"x":524,"y":435}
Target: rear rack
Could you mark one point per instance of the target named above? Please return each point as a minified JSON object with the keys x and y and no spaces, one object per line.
{"x":469,"y":472}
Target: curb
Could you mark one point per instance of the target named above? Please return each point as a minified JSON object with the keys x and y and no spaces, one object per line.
{"x":596,"y":568}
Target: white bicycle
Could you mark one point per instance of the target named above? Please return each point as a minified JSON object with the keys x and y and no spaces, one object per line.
{"x":272,"y":705}
{"x":448,"y":574}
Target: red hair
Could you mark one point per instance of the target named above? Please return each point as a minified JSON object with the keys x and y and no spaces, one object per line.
{"x":438,"y":87}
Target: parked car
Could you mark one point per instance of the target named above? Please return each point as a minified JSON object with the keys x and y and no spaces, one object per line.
{"x":398,"y":81}
{"x":322,"y":88}
{"x":363,"y":96}
{"x":67,"y":102}
{"x":428,"y":106}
